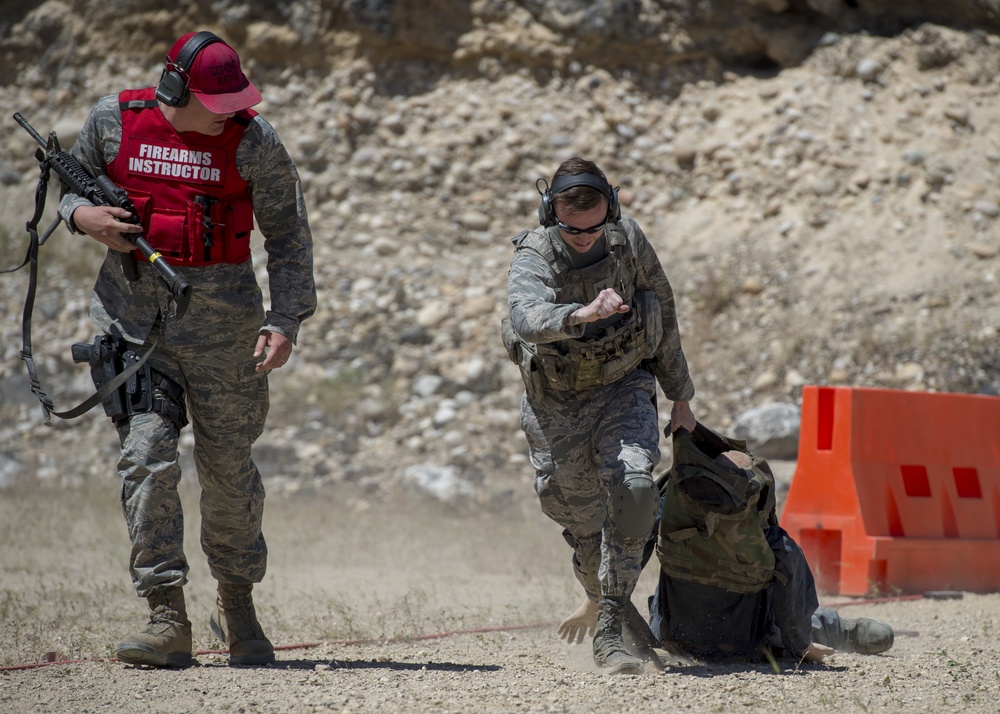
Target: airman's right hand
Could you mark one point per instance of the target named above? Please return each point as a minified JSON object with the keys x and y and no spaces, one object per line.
{"x":606,"y":304}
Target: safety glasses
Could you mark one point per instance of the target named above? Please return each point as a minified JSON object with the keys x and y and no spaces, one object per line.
{"x":578,"y":231}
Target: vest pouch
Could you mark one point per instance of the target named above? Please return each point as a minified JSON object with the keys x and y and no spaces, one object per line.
{"x":583,"y":365}
{"x":219,"y":230}
{"x":618,"y":367}
{"x":167,"y":232}
{"x":604,"y":360}
{"x":556,"y":370}
{"x":526,"y":359}
{"x":237,"y":215}
{"x":200,"y":224}
{"x":143,"y":203}
{"x":625,"y":350}
{"x":510,"y":341}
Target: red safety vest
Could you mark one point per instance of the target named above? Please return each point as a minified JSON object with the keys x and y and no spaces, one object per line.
{"x":192,"y":202}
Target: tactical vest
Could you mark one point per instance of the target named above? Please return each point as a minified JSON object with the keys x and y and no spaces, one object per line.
{"x":714,"y":520}
{"x":191,"y":200}
{"x":591,"y":361}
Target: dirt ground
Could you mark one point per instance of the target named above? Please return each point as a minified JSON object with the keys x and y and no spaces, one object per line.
{"x":410,"y":605}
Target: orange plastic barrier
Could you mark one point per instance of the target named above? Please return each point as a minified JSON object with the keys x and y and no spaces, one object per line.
{"x":897,"y":491}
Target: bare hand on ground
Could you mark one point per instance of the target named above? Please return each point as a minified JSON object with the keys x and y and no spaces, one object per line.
{"x":581,"y":623}
{"x":817,"y":653}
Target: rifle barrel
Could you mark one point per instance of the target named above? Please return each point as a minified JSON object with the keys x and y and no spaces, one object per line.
{"x":30,"y":129}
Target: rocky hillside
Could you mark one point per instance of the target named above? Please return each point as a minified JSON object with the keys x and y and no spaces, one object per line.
{"x":819,"y":178}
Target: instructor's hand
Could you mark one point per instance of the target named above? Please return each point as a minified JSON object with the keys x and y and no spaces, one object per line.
{"x":278,"y":348}
{"x":105,"y":224}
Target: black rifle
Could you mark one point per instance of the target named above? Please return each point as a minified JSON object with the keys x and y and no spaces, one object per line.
{"x":102,"y":191}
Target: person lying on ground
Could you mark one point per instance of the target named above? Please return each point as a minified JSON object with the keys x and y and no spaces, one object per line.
{"x":732,"y":582}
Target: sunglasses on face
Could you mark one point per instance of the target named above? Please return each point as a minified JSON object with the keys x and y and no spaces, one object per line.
{"x":578,"y":231}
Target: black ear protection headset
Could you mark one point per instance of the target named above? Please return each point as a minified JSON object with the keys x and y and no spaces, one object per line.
{"x":173,"y":87}
{"x":546,"y":210}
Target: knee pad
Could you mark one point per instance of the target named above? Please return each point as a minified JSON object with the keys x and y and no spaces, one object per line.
{"x":633,"y":504}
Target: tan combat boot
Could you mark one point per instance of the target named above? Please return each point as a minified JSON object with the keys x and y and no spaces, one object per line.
{"x":235,"y":623}
{"x":166,"y":641}
{"x":610,"y":651}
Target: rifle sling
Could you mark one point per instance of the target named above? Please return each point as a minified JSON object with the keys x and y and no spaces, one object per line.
{"x":31,"y":259}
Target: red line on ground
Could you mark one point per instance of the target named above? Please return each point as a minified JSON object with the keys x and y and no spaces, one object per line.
{"x":304,"y":645}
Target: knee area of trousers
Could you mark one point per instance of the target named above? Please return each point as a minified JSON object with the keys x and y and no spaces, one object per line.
{"x":634,"y":504}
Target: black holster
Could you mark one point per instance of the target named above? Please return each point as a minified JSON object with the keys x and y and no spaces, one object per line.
{"x":146,"y":390}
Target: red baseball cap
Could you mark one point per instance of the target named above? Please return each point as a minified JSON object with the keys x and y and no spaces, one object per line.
{"x":216,"y":77}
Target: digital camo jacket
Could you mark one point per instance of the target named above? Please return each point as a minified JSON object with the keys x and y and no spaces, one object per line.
{"x":543,"y":290}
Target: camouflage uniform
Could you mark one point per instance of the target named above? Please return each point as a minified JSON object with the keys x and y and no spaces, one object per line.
{"x":583,"y":441}
{"x":209,"y":352}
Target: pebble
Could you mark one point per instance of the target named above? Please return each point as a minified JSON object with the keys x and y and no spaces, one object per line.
{"x":984,"y":250}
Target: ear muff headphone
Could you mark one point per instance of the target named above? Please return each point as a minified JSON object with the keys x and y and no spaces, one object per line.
{"x":173,"y":87}
{"x":546,"y":211}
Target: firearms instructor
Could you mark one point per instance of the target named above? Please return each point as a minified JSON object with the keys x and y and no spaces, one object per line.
{"x":592,"y":327}
{"x":198,"y":165}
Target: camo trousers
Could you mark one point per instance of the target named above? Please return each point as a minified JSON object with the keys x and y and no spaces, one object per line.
{"x":581,"y":445}
{"x":227,"y":403}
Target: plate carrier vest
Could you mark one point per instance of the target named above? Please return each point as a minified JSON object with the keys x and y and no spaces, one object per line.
{"x":714,"y":519}
{"x":191,"y":200}
{"x":578,"y":364}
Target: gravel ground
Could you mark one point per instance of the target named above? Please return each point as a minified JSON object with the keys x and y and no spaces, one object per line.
{"x":409,"y":605}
